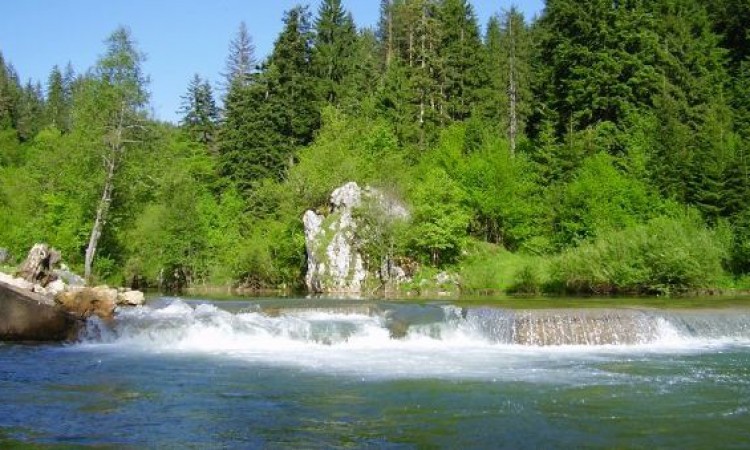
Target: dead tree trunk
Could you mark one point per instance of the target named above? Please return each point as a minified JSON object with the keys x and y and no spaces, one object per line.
{"x":37,"y":268}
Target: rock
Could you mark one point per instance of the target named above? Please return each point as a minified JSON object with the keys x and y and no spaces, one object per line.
{"x":18,"y":283}
{"x":347,"y":196}
{"x":25,"y":316}
{"x":4,"y":255}
{"x":85,"y":302}
{"x":38,"y":266}
{"x":335,"y":263}
{"x":56,"y":287}
{"x":444,"y":278}
{"x":68,"y":277}
{"x":130,"y":298}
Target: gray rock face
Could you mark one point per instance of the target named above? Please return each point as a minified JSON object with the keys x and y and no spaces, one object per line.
{"x":335,"y":263}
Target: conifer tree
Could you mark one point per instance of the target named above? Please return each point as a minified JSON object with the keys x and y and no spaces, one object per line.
{"x":200,"y":115}
{"x":241,"y":61}
{"x":335,"y":45}
{"x":461,"y":58}
{"x":266,"y":120}
{"x":58,"y":101}
{"x":30,"y":111}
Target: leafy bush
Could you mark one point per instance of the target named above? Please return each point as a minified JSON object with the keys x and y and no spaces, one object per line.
{"x":663,"y":256}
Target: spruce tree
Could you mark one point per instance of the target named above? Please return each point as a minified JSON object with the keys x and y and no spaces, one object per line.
{"x":200,"y":115}
{"x":30,"y":111}
{"x":58,"y":101}
{"x":335,"y":47}
{"x":241,"y":61}
{"x":268,"y":118}
{"x":461,"y":58}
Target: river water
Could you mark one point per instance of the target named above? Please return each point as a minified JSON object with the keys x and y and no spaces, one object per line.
{"x":269,"y":374}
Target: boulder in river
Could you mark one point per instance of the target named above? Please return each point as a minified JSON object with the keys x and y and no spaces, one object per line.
{"x":86,"y":302}
{"x":26,"y":316}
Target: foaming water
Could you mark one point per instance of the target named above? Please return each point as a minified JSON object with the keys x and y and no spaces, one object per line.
{"x":415,"y":340}
{"x":182,"y":374}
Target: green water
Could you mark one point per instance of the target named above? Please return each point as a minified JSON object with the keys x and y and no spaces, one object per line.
{"x":329,"y":374}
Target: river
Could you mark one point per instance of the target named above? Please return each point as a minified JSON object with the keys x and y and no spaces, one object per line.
{"x":260,"y":373}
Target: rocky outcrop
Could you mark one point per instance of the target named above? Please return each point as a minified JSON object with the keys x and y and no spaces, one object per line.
{"x":26,"y":316}
{"x":336,"y":241}
{"x":44,"y":300}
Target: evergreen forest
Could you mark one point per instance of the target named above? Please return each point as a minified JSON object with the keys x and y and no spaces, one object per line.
{"x":602,"y":147}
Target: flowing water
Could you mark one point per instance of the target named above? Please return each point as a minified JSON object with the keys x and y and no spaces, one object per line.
{"x":250,"y":374}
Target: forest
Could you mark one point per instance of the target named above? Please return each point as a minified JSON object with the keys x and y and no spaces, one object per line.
{"x":601,"y":147}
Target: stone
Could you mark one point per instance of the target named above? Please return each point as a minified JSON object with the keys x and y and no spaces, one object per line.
{"x":335,"y":263}
{"x":86,"y":302}
{"x":68,"y":277}
{"x":130,"y":298}
{"x":346,"y":196}
{"x":18,"y":283}
{"x":4,"y":255}
{"x":25,"y":316}
{"x":56,"y":287}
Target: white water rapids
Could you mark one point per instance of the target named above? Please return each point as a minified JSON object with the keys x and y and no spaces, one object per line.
{"x":417,"y":341}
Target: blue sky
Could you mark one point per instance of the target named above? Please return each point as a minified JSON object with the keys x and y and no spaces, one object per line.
{"x":179,"y":37}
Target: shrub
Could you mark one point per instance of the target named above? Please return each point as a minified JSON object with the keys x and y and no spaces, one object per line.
{"x":663,"y":256}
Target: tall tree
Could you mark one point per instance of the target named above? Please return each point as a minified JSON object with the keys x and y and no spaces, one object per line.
{"x":58,"y":101}
{"x":334,"y":50}
{"x":114,"y":112}
{"x":241,"y":61}
{"x":461,"y":57}
{"x":268,"y":119}
{"x":200,"y":115}
{"x":506,"y":99}
{"x":29,"y":116}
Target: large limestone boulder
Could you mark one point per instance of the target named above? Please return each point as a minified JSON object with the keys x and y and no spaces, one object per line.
{"x":335,"y":241}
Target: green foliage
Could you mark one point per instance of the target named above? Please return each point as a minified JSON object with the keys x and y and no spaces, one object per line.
{"x":663,"y":256}
{"x":599,"y":199}
{"x":345,"y":150}
{"x":586,"y":132}
{"x":439,"y":218}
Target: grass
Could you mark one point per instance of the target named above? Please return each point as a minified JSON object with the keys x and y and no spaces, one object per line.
{"x":491,"y":269}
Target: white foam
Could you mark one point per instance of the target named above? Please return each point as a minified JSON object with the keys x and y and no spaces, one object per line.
{"x":362,"y":345}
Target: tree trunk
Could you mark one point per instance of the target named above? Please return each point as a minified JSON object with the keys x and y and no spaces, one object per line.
{"x":101,"y":217}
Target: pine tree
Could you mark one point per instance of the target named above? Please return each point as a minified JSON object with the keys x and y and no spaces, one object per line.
{"x":266,"y":120}
{"x":335,"y":45}
{"x":241,"y":62}
{"x":30,"y":111}
{"x":200,"y":115}
{"x":461,"y":58}
{"x":506,"y":99}
{"x":58,"y":101}
{"x":11,"y":95}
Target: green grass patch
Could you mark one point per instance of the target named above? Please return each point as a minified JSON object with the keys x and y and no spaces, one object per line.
{"x":489,"y":268}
